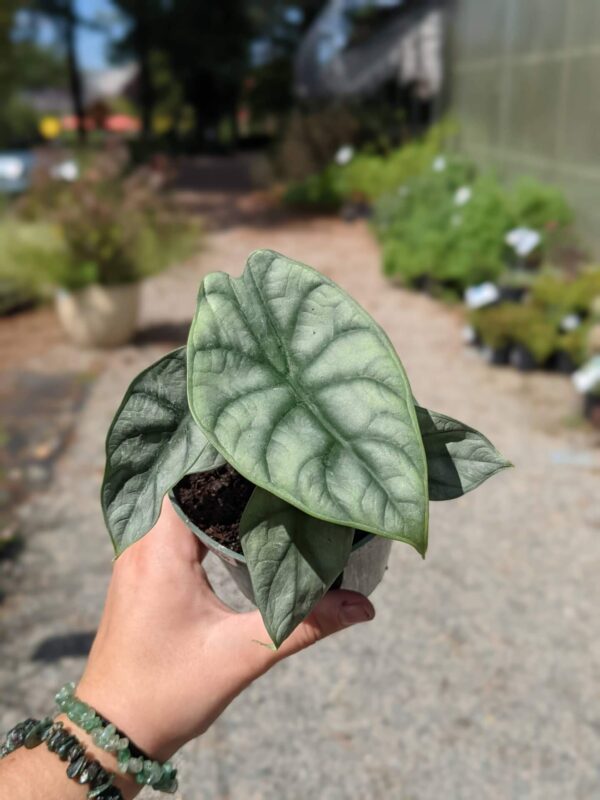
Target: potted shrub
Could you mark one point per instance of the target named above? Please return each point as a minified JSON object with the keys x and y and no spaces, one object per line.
{"x":117,"y":232}
{"x":521,"y":335}
{"x":305,"y":452}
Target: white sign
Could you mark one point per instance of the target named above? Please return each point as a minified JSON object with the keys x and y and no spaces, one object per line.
{"x":570,"y":323}
{"x":523,"y":240}
{"x":469,"y":334}
{"x":482,"y":295}
{"x":65,"y":171}
{"x":587,"y":378}
{"x":11,"y":168}
{"x":344,"y":155}
{"x":462,"y":195}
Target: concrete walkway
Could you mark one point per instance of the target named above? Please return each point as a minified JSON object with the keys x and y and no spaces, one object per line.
{"x":479,"y":678}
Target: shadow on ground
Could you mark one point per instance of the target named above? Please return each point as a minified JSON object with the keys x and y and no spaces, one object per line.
{"x":69,"y":645}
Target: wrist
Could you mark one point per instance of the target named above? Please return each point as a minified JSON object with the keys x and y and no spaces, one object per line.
{"x":133,"y":718}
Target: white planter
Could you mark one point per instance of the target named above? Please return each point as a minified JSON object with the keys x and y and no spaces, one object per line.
{"x":99,"y":316}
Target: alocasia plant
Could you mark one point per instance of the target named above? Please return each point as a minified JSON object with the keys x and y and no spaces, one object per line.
{"x":291,"y":382}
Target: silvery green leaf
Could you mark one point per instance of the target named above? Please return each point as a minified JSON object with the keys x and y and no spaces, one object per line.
{"x":292,"y":558}
{"x":151,"y":444}
{"x":303,"y":393}
{"x":459,"y":458}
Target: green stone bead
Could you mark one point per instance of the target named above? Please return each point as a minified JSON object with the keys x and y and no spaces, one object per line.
{"x":123,"y":743}
{"x":113,"y":743}
{"x":135,"y":765}
{"x":77,"y":711}
{"x":64,"y":694}
{"x":153,"y":772}
{"x":76,"y":766}
{"x":107,"y":735}
{"x":124,"y":761}
{"x":97,"y":736}
{"x":168,"y":787}
{"x":91,"y":723}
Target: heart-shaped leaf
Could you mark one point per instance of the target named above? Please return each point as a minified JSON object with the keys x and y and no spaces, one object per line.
{"x":151,"y":444}
{"x":292,"y":557}
{"x":459,"y":458}
{"x":302,"y":392}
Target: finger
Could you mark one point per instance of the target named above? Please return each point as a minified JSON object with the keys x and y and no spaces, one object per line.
{"x":337,"y":610}
{"x":171,"y":534}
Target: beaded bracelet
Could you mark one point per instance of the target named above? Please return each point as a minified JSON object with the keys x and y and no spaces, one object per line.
{"x":162,"y":777}
{"x":33,"y":732}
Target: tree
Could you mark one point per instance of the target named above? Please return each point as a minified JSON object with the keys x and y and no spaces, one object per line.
{"x":142,"y":39}
{"x":63,"y":14}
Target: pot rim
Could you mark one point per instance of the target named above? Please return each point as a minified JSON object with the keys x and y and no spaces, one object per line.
{"x":215,"y":546}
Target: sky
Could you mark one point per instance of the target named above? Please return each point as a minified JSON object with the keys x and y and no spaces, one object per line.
{"x":91,"y":45}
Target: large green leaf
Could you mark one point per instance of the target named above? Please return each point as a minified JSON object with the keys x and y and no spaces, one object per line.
{"x":152,"y":443}
{"x":292,"y":558}
{"x":459,"y":458}
{"x":302,"y":392}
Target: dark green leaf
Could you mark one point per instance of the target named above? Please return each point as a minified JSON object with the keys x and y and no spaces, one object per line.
{"x":152,"y":443}
{"x":293,"y":559}
{"x":302,"y":392}
{"x":459,"y":458}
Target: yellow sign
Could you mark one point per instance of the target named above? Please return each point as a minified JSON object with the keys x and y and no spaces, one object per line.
{"x":49,"y":127}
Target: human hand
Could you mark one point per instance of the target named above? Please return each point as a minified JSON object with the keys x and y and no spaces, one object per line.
{"x":169,"y":656}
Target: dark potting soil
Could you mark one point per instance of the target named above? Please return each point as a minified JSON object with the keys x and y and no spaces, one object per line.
{"x":214,"y":501}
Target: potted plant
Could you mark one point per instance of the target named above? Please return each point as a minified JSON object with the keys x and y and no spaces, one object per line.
{"x":305,"y":452}
{"x":117,"y":232}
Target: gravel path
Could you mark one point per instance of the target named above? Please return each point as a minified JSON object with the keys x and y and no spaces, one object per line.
{"x":479,"y":678}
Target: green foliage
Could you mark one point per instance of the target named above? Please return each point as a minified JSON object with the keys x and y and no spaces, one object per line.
{"x":292,"y":557}
{"x":561,"y":295}
{"x":575,"y":343}
{"x":539,"y":206}
{"x":368,"y":176}
{"x":30,"y":253}
{"x":425,"y":234}
{"x":291,"y":376}
{"x":118,"y":229}
{"x":459,"y":458}
{"x":152,"y":443}
{"x":297,"y":387}
{"x":510,"y":323}
{"x":318,"y":192}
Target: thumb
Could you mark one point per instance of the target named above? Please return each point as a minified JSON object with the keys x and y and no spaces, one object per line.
{"x":337,"y":610}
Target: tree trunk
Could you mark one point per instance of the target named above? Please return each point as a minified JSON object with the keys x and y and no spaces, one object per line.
{"x":74,"y":73}
{"x":142,"y":37}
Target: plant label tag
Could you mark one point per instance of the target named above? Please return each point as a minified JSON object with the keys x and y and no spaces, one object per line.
{"x":11,"y":168}
{"x":482,"y":295}
{"x":523,"y":240}
{"x":587,"y":378}
{"x":570,"y":323}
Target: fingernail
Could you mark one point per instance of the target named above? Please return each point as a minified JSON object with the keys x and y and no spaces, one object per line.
{"x":352,"y":613}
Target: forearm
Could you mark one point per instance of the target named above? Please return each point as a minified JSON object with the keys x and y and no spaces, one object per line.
{"x":38,"y":774}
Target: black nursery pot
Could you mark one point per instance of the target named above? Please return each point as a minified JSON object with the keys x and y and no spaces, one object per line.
{"x":591,"y":409}
{"x":363,"y":573}
{"x":521,"y":358}
{"x":496,"y":356}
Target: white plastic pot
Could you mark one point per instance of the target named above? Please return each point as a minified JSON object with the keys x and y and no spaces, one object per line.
{"x":363,"y":573}
{"x":99,"y":316}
